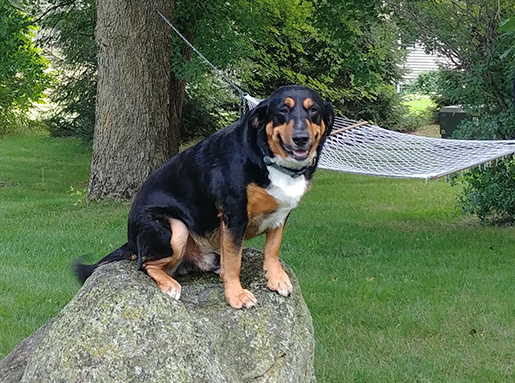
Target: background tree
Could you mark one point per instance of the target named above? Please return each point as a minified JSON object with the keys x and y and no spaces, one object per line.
{"x":259,"y":44}
{"x":23,"y":76}
{"x":476,"y":39}
{"x":466,"y":33}
{"x":351,"y":59}
{"x":132,"y":129}
{"x":69,"y":42}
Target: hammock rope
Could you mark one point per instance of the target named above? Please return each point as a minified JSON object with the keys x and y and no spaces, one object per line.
{"x":371,"y":150}
{"x":363,"y":148}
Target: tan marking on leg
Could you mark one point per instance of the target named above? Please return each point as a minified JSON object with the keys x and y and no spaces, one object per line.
{"x":178,"y":242}
{"x":230,"y":261}
{"x":277,"y":279}
{"x":155,"y":270}
{"x":259,"y":205}
{"x":161,"y":269}
{"x":289,"y":102}
{"x":307,"y":103}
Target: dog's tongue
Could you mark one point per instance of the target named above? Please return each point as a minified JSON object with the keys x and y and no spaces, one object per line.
{"x":300,"y":153}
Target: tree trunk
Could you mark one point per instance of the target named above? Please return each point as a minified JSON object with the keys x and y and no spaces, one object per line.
{"x":132,"y":130}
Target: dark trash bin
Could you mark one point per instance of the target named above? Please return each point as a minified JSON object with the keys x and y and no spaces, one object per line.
{"x":450,"y":117}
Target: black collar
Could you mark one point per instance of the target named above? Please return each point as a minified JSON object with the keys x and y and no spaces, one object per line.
{"x":294,"y":173}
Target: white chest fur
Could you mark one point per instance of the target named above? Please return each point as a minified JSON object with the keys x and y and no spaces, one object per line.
{"x":287,"y":191}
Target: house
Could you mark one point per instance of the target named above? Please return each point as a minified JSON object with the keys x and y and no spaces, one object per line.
{"x":418,"y":61}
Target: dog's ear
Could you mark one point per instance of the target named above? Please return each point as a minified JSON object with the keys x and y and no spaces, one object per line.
{"x":328,"y":117}
{"x":258,"y":115}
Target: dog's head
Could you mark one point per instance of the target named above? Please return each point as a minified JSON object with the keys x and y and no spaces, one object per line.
{"x":294,"y":123}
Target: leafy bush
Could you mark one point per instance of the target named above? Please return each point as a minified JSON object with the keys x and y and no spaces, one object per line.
{"x":413,"y":121}
{"x":209,"y":106}
{"x":23,"y":76}
{"x":489,"y":192}
{"x":425,"y":83}
{"x":70,"y":31}
{"x":383,"y":107}
{"x":487,"y":126}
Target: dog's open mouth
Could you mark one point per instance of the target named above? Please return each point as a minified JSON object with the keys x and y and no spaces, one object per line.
{"x":300,"y":155}
{"x":296,"y":154}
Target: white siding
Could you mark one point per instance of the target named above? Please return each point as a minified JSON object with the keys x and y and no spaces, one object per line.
{"x":418,"y":61}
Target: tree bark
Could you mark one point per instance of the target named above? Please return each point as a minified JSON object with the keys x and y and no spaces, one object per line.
{"x":132,"y":131}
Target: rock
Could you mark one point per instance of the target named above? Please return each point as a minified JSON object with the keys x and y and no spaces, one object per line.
{"x":13,"y":365}
{"x":121,"y":328}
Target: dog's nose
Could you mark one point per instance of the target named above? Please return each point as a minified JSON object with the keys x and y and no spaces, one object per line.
{"x":300,"y":139}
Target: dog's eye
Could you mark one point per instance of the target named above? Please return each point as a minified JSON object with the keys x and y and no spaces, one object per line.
{"x":313,"y":112}
{"x":284,"y":110}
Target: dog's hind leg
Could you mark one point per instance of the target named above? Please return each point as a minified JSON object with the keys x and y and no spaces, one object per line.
{"x":160,"y":269}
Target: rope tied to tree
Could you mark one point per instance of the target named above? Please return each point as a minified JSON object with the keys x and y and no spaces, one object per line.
{"x":241,"y":93}
{"x":363,"y":148}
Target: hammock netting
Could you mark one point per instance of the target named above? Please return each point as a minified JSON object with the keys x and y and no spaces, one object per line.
{"x":363,"y":148}
{"x":371,"y":150}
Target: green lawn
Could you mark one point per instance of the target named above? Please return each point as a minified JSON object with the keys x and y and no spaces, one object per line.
{"x":419,"y":103}
{"x":401,"y":287}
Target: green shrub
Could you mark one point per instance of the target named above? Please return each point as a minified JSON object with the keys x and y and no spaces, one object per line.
{"x":411,"y":122}
{"x":209,"y":105}
{"x":61,"y":125}
{"x":23,"y":70}
{"x":15,"y":123}
{"x":487,"y":126}
{"x":196,"y":122}
{"x":425,"y":83}
{"x":383,"y":107}
{"x":489,"y":192}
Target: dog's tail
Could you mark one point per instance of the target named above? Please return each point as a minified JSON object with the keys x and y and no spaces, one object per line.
{"x":83,"y":271}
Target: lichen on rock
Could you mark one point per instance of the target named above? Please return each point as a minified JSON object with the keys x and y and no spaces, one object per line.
{"x":121,"y":328}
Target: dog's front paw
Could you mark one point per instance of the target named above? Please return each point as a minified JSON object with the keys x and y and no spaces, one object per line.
{"x":240,"y":299}
{"x":170,"y":287}
{"x":279,"y":281}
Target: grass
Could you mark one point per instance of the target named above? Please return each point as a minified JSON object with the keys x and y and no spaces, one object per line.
{"x":432,"y":130}
{"x":41,"y":230}
{"x":419,"y":111}
{"x":423,"y":105}
{"x":400,"y":286}
{"x":419,"y":103}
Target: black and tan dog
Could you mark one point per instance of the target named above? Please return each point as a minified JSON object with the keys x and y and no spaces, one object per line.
{"x":196,"y":210}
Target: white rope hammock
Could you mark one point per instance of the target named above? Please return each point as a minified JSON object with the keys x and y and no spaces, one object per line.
{"x":363,"y":148}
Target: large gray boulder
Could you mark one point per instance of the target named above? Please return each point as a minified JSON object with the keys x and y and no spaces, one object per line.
{"x":121,"y":328}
